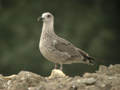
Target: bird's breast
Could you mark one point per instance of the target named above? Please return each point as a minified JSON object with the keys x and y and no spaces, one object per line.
{"x":46,"y":48}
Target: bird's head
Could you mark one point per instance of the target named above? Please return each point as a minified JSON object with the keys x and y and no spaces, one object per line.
{"x":46,"y":17}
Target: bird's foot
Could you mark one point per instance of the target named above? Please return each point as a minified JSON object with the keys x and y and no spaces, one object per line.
{"x":61,"y":67}
{"x":56,"y":66}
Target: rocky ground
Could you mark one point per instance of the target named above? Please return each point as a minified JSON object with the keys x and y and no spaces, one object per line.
{"x":106,"y":78}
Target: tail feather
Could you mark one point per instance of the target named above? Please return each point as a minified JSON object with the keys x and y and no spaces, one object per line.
{"x":90,"y":60}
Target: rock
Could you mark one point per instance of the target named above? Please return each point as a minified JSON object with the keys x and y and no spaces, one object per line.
{"x":56,"y":73}
{"x":89,"y":81}
{"x":89,"y":75}
{"x":115,"y":88}
{"x":106,"y":78}
{"x":111,"y":70}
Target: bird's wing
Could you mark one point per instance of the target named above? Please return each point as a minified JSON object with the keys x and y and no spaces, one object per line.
{"x":74,"y":52}
{"x":65,"y":46}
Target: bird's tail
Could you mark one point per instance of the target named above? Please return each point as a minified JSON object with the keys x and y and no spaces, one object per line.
{"x":89,"y":60}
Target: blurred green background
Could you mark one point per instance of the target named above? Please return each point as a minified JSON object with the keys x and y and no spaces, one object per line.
{"x":92,"y":25}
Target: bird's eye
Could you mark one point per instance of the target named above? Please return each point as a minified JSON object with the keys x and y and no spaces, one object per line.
{"x":48,"y":16}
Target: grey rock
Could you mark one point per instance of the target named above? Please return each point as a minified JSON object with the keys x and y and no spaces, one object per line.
{"x":111,"y":70}
{"x":90,"y":81}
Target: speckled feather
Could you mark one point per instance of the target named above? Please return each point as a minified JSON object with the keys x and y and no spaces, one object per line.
{"x":57,"y":49}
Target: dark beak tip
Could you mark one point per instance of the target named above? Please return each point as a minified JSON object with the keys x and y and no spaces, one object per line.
{"x":39,"y":18}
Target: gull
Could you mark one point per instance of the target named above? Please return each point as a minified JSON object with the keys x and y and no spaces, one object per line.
{"x":57,"y":49}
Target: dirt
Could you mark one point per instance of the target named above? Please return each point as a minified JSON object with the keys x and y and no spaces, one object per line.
{"x":106,"y":78}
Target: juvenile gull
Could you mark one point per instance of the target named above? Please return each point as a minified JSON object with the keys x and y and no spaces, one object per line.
{"x":57,"y":49}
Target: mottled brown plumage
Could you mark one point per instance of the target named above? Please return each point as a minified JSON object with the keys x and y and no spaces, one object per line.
{"x":57,"y":49}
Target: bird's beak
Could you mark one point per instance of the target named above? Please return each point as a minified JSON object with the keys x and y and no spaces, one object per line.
{"x":39,"y":18}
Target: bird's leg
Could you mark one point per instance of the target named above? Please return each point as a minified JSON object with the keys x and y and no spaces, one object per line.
{"x":61,"y":67}
{"x":56,"y":66}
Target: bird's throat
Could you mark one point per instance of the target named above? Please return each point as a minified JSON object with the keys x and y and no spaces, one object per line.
{"x":48,"y":27}
{"x":47,"y":30}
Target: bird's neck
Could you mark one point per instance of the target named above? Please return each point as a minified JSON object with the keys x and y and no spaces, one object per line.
{"x":48,"y":28}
